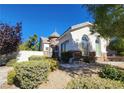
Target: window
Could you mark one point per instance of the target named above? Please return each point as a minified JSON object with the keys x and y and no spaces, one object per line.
{"x":97,"y":40}
{"x":85,"y":45}
{"x":98,"y":46}
{"x":64,"y":46}
{"x":85,"y":38}
{"x":47,"y":48}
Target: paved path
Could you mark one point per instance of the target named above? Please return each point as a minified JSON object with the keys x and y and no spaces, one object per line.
{"x":3,"y":74}
{"x":56,"y":80}
{"x":117,"y":64}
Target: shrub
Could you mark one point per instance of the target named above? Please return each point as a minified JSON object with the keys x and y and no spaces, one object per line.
{"x":121,"y":76}
{"x":65,"y":56}
{"x":37,"y":58}
{"x":11,"y":77}
{"x":121,"y":53}
{"x":109,"y":72}
{"x":11,"y":62}
{"x":52,"y":62}
{"x":94,"y":83}
{"x":30,"y":74}
{"x":112,"y":73}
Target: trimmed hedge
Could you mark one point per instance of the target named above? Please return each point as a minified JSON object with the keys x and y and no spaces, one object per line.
{"x":11,"y":77}
{"x":121,"y":53}
{"x":11,"y":62}
{"x":94,"y":83}
{"x":52,"y":62}
{"x":37,"y":58}
{"x":30,"y":74}
{"x":111,"y":72}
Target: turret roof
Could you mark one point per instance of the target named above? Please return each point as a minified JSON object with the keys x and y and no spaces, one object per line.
{"x":54,"y":34}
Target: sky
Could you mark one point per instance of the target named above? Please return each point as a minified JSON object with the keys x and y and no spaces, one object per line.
{"x":43,"y":19}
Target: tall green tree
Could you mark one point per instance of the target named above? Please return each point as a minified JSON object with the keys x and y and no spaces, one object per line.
{"x":108,"y":19}
{"x":30,"y":44}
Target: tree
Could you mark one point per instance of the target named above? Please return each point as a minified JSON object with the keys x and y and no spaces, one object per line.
{"x":108,"y":19}
{"x":31,"y":44}
{"x":118,"y":45}
{"x":33,"y":41}
{"x":10,"y":38}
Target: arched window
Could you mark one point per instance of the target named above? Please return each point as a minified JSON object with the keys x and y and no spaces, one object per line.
{"x":97,"y":40}
{"x":85,"y":38}
{"x":98,"y":46}
{"x":85,"y":45}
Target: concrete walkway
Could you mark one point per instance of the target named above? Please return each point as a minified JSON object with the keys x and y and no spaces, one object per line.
{"x":117,"y":64}
{"x":56,"y":80}
{"x":3,"y":74}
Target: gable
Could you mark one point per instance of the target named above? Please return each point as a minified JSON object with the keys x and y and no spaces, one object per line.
{"x":76,"y":28}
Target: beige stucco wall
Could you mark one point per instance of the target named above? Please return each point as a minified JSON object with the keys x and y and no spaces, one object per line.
{"x":45,"y":46}
{"x":24,"y":55}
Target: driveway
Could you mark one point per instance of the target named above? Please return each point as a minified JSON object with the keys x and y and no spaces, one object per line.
{"x":3,"y":74}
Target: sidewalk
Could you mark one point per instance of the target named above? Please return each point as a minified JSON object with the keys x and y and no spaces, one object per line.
{"x":3,"y":74}
{"x":113,"y":63}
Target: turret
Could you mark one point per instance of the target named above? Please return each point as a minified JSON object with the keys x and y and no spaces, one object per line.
{"x":53,"y":38}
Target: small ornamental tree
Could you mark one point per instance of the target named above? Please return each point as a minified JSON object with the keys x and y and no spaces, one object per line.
{"x":10,"y":37}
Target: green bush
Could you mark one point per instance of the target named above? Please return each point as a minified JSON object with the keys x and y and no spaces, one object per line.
{"x":109,"y":72}
{"x":52,"y":62}
{"x":121,"y":53}
{"x":94,"y":83}
{"x":11,"y":77}
{"x":121,"y":76}
{"x":30,"y":74}
{"x":65,"y":56}
{"x":11,"y":62}
{"x":112,"y":73}
{"x":37,"y":58}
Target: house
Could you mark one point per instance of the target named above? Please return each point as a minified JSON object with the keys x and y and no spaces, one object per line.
{"x":45,"y":46}
{"x":80,"y":38}
{"x":49,"y":45}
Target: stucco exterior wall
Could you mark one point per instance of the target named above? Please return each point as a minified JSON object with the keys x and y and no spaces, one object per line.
{"x":45,"y":46}
{"x":75,"y":40}
{"x":103,"y":45}
{"x":24,"y":55}
{"x":66,"y":37}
